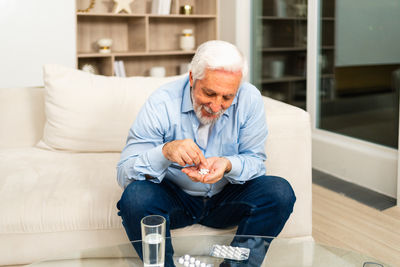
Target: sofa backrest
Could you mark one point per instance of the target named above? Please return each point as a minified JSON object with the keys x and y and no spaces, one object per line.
{"x":288,"y":145}
{"x":22,"y":116}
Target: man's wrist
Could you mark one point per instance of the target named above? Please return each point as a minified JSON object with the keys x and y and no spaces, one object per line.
{"x":164,"y":150}
{"x":228,"y":165}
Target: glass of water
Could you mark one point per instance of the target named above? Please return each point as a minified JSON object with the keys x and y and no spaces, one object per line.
{"x":153,"y":240}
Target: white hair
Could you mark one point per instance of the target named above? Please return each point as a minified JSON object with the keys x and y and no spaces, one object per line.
{"x":217,"y":55}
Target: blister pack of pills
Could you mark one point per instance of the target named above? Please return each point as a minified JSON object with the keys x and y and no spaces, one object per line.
{"x":229,"y":252}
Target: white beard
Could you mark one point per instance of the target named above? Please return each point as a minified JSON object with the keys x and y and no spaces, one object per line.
{"x":203,"y":119}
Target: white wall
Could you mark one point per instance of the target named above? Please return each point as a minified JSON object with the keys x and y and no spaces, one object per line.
{"x":43,"y":31}
{"x":227,"y":20}
{"x":235,"y":25}
{"x":35,"y":32}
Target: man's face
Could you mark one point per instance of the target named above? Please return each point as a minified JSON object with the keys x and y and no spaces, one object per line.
{"x":213,"y":94}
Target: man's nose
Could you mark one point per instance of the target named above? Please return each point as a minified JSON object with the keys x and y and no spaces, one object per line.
{"x":216,"y":106}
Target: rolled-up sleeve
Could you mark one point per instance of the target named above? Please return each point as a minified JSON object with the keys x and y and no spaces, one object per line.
{"x":142,"y":157}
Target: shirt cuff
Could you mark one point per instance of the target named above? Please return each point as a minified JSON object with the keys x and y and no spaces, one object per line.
{"x":236,"y":169}
{"x":157,"y":160}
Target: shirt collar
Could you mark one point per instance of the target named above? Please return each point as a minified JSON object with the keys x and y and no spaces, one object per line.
{"x":187,"y":104}
{"x":187,"y":100}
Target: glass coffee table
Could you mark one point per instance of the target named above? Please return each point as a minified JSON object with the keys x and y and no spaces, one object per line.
{"x":283,"y":252}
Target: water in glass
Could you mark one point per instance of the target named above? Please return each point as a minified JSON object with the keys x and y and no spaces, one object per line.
{"x":153,"y":250}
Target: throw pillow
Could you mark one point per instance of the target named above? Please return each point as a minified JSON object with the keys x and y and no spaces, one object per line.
{"x":92,"y":113}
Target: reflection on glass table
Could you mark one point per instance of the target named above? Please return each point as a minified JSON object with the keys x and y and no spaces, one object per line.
{"x":282,"y":252}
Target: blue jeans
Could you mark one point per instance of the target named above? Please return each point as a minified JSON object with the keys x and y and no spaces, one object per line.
{"x":259,"y":207}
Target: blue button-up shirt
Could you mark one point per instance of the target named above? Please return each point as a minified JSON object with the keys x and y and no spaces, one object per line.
{"x":168,"y":115}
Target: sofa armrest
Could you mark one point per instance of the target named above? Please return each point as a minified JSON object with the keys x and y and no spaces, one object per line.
{"x":288,"y":150}
{"x":22,"y":116}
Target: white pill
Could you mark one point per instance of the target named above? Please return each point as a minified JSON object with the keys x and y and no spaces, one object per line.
{"x":181,"y":260}
{"x":203,"y":264}
{"x":192,"y":260}
{"x":197,"y":263}
{"x":186,"y":264}
{"x":191,"y":265}
{"x":204,"y":171}
{"x":187,"y":257}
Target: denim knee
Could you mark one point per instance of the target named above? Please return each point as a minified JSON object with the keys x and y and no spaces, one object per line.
{"x":137,"y":198}
{"x":275,"y":190}
{"x":284,"y":195}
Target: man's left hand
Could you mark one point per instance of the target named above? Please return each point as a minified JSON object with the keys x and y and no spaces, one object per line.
{"x":217,"y":167}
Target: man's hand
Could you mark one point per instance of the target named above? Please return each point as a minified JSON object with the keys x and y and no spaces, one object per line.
{"x":184,"y":152}
{"x":217,"y":167}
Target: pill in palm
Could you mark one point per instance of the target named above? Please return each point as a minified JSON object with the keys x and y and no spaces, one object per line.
{"x":204,"y":171}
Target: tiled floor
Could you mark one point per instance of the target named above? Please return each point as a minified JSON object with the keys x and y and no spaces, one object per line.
{"x":356,"y":192}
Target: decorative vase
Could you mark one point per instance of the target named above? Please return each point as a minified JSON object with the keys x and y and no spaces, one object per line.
{"x":104,"y":45}
{"x":187,"y":41}
{"x":157,"y":71}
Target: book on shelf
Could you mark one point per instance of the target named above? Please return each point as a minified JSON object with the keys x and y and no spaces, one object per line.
{"x":116,"y":69}
{"x":161,"y":7}
{"x":119,"y":68}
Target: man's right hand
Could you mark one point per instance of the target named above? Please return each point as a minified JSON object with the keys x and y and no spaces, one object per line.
{"x":184,"y":152}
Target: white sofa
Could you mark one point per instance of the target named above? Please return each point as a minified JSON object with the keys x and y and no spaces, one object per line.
{"x":54,"y":200}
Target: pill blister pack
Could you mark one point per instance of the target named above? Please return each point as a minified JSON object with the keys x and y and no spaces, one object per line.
{"x":229,"y":252}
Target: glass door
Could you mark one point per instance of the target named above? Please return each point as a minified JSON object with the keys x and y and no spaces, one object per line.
{"x":339,"y":60}
{"x":354,"y":84}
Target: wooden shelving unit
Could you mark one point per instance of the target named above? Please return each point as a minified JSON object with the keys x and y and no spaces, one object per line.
{"x":142,"y":40}
{"x":283,"y":37}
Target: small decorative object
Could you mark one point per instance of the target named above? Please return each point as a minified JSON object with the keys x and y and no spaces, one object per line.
{"x":186,"y":10}
{"x":277,"y":68}
{"x":280,"y":8}
{"x":322,"y":62}
{"x":122,"y":5}
{"x":184,"y":68}
{"x":301,"y":8}
{"x":187,"y":42}
{"x":89,"y":68}
{"x":104,"y":45}
{"x":91,"y":5}
{"x":161,"y":7}
{"x":157,"y":71}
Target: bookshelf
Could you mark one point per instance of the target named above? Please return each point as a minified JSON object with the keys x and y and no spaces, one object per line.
{"x":142,"y":40}
{"x":280,"y":45}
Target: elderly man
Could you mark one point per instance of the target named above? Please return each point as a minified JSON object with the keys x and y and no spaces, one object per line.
{"x":209,"y":120}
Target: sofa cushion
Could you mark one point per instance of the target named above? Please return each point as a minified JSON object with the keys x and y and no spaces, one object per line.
{"x":46,"y":191}
{"x":92,"y":113}
{"x":51,"y":191}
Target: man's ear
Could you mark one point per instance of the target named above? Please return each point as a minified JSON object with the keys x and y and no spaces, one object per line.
{"x":191,"y":79}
